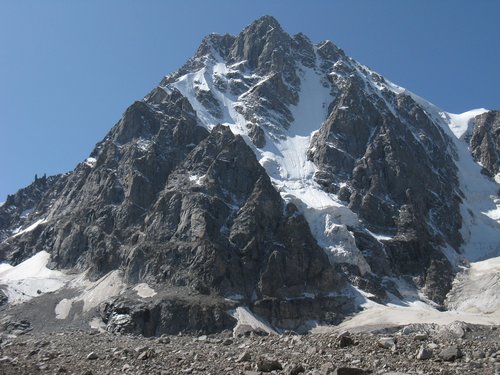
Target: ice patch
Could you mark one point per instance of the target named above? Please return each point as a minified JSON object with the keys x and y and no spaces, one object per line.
{"x":380,"y":316}
{"x":5,"y":267}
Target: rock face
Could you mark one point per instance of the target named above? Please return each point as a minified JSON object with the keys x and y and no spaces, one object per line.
{"x":379,"y":151}
{"x":485,"y":141}
{"x":211,"y":184}
{"x":171,"y":203}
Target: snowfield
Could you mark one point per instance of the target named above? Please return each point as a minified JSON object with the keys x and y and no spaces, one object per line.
{"x":30,"y":279}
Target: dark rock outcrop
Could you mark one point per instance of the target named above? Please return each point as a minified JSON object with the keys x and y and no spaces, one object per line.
{"x":485,"y":141}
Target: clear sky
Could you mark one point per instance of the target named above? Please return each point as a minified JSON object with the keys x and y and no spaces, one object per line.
{"x":68,"y":69}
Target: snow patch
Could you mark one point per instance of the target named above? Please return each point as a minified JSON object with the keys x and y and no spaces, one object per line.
{"x":378,"y":317}
{"x":144,"y":290}
{"x":93,"y":293}
{"x":108,"y":286}
{"x":91,"y":162}
{"x":198,"y":180}
{"x":475,"y":289}
{"x":63,"y":308}
{"x":246,"y":321}
{"x":30,"y":278}
{"x":143,"y":144}
{"x":26,"y":213}
{"x":30,"y":228}
{"x":235,"y":297}
{"x":460,"y":123}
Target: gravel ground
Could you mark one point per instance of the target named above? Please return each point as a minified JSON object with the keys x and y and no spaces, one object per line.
{"x":455,"y":349}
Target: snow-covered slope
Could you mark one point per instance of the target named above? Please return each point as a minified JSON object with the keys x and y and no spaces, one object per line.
{"x":480,"y":208}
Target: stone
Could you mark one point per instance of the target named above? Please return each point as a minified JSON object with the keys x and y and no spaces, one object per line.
{"x":126,"y":367}
{"x":450,"y":353}
{"x":387,"y":342}
{"x":146,"y":354}
{"x":6,"y":359}
{"x":327,"y":368}
{"x":257,"y":135}
{"x":92,"y":356}
{"x":350,"y":371}
{"x":345,"y":341}
{"x":296,"y":369}
{"x":311,"y":351}
{"x":407,"y":330}
{"x":268,"y":365}
{"x":478,"y":354}
{"x":164,"y":340}
{"x":424,"y":353}
{"x":244,"y":357}
{"x":420,"y":337}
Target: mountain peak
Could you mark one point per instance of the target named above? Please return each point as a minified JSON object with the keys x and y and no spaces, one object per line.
{"x":265,"y":22}
{"x":220,"y":44}
{"x":258,"y":41}
{"x":270,"y":174}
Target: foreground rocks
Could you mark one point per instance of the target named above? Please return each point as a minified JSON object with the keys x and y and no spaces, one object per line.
{"x":91,"y":353}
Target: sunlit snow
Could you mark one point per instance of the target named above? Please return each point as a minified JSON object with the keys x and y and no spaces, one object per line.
{"x":30,"y":279}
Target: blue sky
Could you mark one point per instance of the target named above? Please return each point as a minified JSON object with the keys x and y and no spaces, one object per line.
{"x":68,"y":69}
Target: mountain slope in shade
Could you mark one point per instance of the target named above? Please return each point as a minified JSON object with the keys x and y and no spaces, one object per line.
{"x":272,"y":174}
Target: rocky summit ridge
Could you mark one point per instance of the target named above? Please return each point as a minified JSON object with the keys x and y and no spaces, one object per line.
{"x":269,"y":182}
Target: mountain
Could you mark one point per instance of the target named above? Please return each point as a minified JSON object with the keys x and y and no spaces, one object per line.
{"x":268,"y":176}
